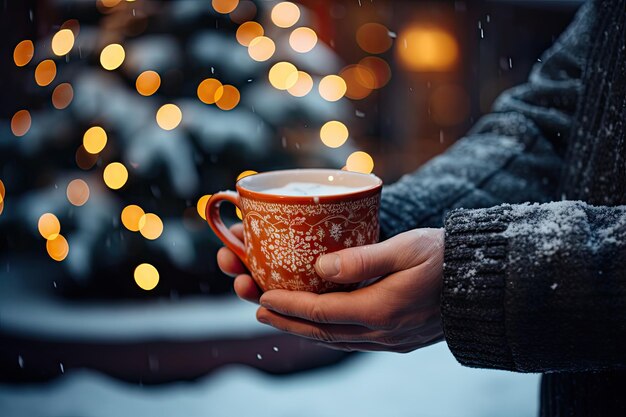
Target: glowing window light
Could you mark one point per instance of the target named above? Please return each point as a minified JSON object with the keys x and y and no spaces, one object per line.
{"x":147,"y":83}
{"x":201,"y":205}
{"x":58,"y":248}
{"x":146,"y":277}
{"x":45,"y":72}
{"x":378,"y":68}
{"x":373,"y":38}
{"x":360,"y":161}
{"x":62,"y":42}
{"x":224,"y":6}
{"x":112,"y":56}
{"x":334,"y":134}
{"x":49,"y":226}
{"x":303,"y":39}
{"x":133,"y":218}
{"x":84,"y":159}
{"x":359,"y":81}
{"x":21,"y":122}
{"x":23,"y":52}
{"x":303,"y":85}
{"x":248,"y":31}
{"x":115,"y":175}
{"x":208,"y":91}
{"x":62,"y":96}
{"x":77,"y":192}
{"x":261,"y":48}
{"x":285,"y":14}
{"x":427,"y":49}
{"x":152,"y":226}
{"x":228,"y":97}
{"x":95,"y":139}
{"x":169,"y":116}
{"x":332,"y":87}
{"x":245,"y":174}
{"x":283,"y":75}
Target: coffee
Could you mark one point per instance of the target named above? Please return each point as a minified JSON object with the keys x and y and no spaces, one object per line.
{"x":294,"y":189}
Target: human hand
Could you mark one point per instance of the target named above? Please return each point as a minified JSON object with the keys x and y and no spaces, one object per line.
{"x":398,"y":313}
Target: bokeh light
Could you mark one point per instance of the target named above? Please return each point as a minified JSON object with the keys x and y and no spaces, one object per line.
{"x":285,"y":14}
{"x":245,"y":174}
{"x":238,"y":213}
{"x":201,"y":205}
{"x":359,"y":81}
{"x":303,"y":39}
{"x":57,"y":248}
{"x":62,"y":96}
{"x":77,"y":192}
{"x":373,"y":38}
{"x":334,"y":134}
{"x":133,"y":218}
{"x":2,"y":194}
{"x":283,"y":75}
{"x":228,"y":97}
{"x":245,"y":11}
{"x":62,"y":42}
{"x":261,"y":48}
{"x":147,"y":83}
{"x":332,"y":87}
{"x":49,"y":226}
{"x":208,"y":89}
{"x":152,"y":226}
{"x":110,"y":3}
{"x":73,"y":25}
{"x":224,"y":6}
{"x":45,"y":72}
{"x":115,"y":175}
{"x":20,"y":123}
{"x":378,"y":68}
{"x":146,"y":277}
{"x":169,"y":116}
{"x":112,"y":56}
{"x":23,"y":52}
{"x":303,"y":85}
{"x":427,"y":49}
{"x":94,"y":139}
{"x":360,"y":161}
{"x":84,"y":159}
{"x":449,"y":105}
{"x":248,"y":31}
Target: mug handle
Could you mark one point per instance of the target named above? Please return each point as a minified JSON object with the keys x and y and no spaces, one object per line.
{"x":216,"y":223}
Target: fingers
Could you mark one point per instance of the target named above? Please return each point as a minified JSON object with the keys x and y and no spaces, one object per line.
{"x":237,"y":230}
{"x":228,"y":262}
{"x":247,"y":289}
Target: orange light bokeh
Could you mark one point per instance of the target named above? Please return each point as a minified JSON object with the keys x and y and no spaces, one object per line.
{"x":147,"y":83}
{"x":57,"y":248}
{"x":133,"y":218}
{"x":285,"y":14}
{"x":208,"y":91}
{"x":62,"y":96}
{"x":261,"y":48}
{"x":228,"y":97}
{"x":373,"y":38}
{"x":248,"y":31}
{"x":359,"y":81}
{"x":427,"y":49}
{"x":21,"y":122}
{"x":224,"y":6}
{"x":169,"y":116}
{"x":332,"y":87}
{"x":302,"y":39}
{"x":303,"y":85}
{"x":23,"y":52}
{"x":62,"y":42}
{"x":379,"y":69}
{"x":49,"y":226}
{"x":77,"y":192}
{"x":45,"y":72}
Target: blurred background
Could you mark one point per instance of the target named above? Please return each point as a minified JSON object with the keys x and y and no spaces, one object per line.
{"x":118,"y":120}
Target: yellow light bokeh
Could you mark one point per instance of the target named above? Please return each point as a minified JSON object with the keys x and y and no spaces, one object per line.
{"x":110,"y":3}
{"x":427,"y":49}
{"x":77,"y":192}
{"x":238,"y":213}
{"x":147,"y":83}
{"x":261,"y":48}
{"x":208,"y":91}
{"x":115,"y":175}
{"x":21,"y":122}
{"x":228,"y":97}
{"x":245,"y":174}
{"x":201,"y":205}
{"x":248,"y":31}
{"x":378,"y":68}
{"x":303,"y":85}
{"x":152,"y":226}
{"x":285,"y":14}
{"x":334,"y":134}
{"x":373,"y":38}
{"x":224,"y":6}
{"x":57,"y":248}
{"x":112,"y":56}
{"x":359,"y":81}
{"x":283,"y":75}
{"x":84,"y":159}
{"x":133,"y":218}
{"x":360,"y":161}
{"x":62,"y":42}
{"x":302,"y":39}
{"x":169,"y":116}
{"x":146,"y":277}
{"x":49,"y":226}
{"x":45,"y":72}
{"x":23,"y":52}
{"x":2,"y":191}
{"x":62,"y":96}
{"x":332,"y":87}
{"x":95,"y":139}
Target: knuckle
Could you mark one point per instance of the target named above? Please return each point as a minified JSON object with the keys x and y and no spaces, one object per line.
{"x":317,"y":313}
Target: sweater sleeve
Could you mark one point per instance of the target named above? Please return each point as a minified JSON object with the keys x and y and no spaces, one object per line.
{"x":536,"y":288}
{"x":513,"y":155}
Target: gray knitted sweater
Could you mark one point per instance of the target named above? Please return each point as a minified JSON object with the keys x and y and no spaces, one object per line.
{"x":539,"y":284}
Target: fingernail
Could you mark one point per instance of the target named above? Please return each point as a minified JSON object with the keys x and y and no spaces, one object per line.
{"x":328,"y":265}
{"x":265,"y":303}
{"x":263,"y":320}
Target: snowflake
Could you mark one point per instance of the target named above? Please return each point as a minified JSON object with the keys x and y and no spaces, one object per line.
{"x":348,"y":242}
{"x":254,"y":224}
{"x":335,"y":231}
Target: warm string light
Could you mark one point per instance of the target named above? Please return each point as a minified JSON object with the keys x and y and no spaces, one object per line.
{"x":94,"y":140}
{"x":334,"y":134}
{"x":152,"y":227}
{"x":360,"y":161}
{"x":133,"y":218}
{"x":201,"y":205}
{"x":62,"y":42}
{"x":373,"y":38}
{"x":224,"y":6}
{"x":285,"y":14}
{"x":62,"y":96}
{"x":248,"y":31}
{"x":208,"y":89}
{"x":112,"y":56}
{"x":2,"y":196}
{"x":146,"y":276}
{"x":23,"y":53}
{"x":283,"y":75}
{"x":77,"y":192}
{"x":169,"y":116}
{"x":332,"y":88}
{"x":229,"y":97}
{"x":302,"y":39}
{"x":20,"y":123}
{"x":45,"y":72}
{"x":303,"y":85}
{"x":261,"y":48}
{"x":115,"y":175}
{"x":49,"y":226}
{"x":245,"y":174}
{"x":147,"y":83}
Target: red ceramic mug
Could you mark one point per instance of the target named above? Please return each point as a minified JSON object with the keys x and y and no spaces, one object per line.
{"x":292,"y":217}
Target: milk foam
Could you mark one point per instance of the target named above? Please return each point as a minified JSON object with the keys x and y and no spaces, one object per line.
{"x":310,"y":189}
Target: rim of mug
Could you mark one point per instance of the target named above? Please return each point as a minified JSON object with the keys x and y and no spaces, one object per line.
{"x":360,"y":193}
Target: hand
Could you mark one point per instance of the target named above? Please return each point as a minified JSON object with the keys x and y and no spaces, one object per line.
{"x":398,"y":313}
